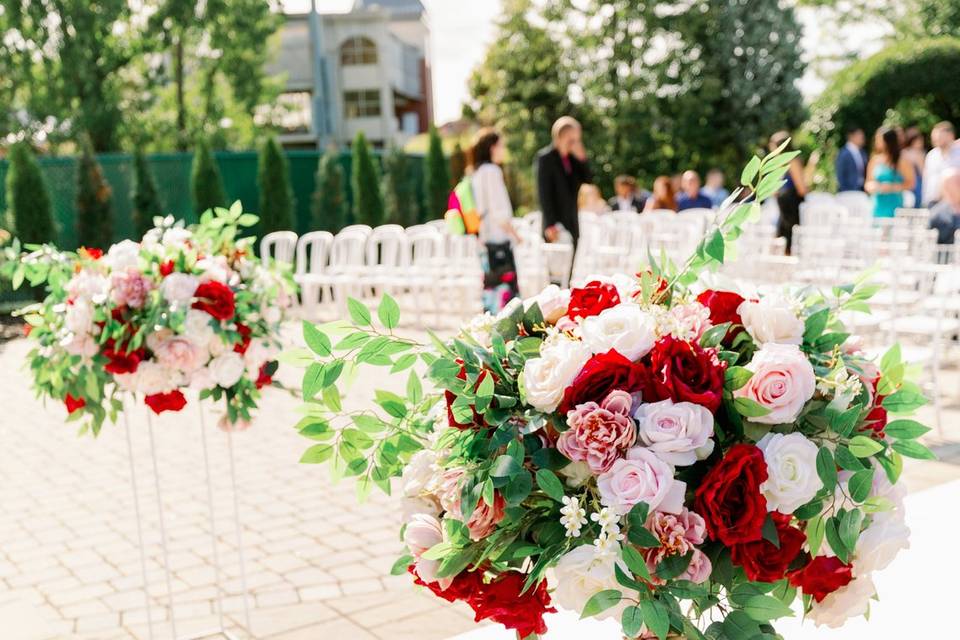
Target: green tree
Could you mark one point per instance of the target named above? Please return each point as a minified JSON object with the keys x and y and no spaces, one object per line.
{"x":276,"y":194}
{"x":94,"y":203}
{"x":436,"y":178}
{"x":365,"y":184}
{"x":399,"y":191}
{"x":30,"y":214}
{"x":146,"y":198}
{"x":329,"y":206}
{"x":206,"y":185}
{"x":458,"y":165}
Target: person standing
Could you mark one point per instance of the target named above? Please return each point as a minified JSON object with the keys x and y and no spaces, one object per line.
{"x":791,"y":194}
{"x":945,"y":153}
{"x":663,"y":197}
{"x":714,"y":188}
{"x":561,"y":169}
{"x":496,"y":215}
{"x":851,"y":163}
{"x":915,"y":150}
{"x":627,"y":198}
{"x":690,"y":195}
{"x":889,"y":174}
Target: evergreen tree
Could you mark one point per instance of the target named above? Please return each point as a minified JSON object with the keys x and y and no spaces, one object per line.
{"x":146,"y":198}
{"x":94,"y":203}
{"x":436,"y":178}
{"x":206,"y":185}
{"x":365,"y":184}
{"x":329,"y":210}
{"x":276,"y":194}
{"x":458,"y":165}
{"x":399,"y":192}
{"x":30,"y":214}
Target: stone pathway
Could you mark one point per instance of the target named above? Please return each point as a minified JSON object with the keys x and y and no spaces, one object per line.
{"x":317,"y":562}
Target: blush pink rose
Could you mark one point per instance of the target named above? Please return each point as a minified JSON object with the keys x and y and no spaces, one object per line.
{"x":130,"y":287}
{"x":484,"y":519}
{"x":599,"y":433}
{"x":422,"y":532}
{"x":641,"y":477}
{"x":783,"y":382}
{"x":678,"y":534}
{"x":178,"y":352}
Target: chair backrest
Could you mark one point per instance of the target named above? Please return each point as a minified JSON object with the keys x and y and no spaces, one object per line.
{"x":813,"y":214}
{"x":387,"y":246}
{"x":425,"y":244}
{"x":857,"y":202}
{"x":348,"y":248}
{"x":279,"y":246}
{"x":365,"y":228}
{"x":820,"y":197}
{"x":915,"y":218}
{"x":313,"y":251}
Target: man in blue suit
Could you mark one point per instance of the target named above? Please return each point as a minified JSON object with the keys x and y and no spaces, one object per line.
{"x":851,"y":163}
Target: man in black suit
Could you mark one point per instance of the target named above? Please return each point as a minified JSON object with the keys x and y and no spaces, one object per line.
{"x":627,"y":198}
{"x":561,"y":169}
{"x":851,"y":164}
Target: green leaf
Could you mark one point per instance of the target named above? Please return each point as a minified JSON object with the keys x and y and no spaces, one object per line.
{"x":318,"y":430}
{"x":905,"y":429}
{"x":859,"y":484}
{"x":673,"y":565}
{"x":749,"y":408}
{"x":400,"y":566}
{"x":549,"y":458}
{"x":913,"y":449}
{"x":317,"y":453}
{"x":414,"y":388}
{"x":403,"y":362}
{"x":518,"y":488}
{"x":631,"y":620}
{"x":388,"y":312}
{"x":815,"y":324}
{"x":550,"y":484}
{"x":485,"y":389}
{"x":312,"y":380}
{"x":736,"y":377}
{"x":849,"y":528}
{"x":864,"y":447}
{"x":599,"y":602}
{"x":656,"y":617}
{"x":739,"y":626}
{"x":832,"y":535}
{"x":904,"y":401}
{"x":438,"y":551}
{"x":826,"y":469}
{"x":359,"y":313}
{"x":331,"y":398}
{"x":891,"y":358}
{"x":847,"y":460}
{"x":815,"y":531}
{"x":317,"y":340}
{"x":766,"y":608}
{"x":714,"y":247}
{"x":750,"y":172}
{"x":635,"y":562}
{"x":505,"y":467}
{"x":714,"y":335}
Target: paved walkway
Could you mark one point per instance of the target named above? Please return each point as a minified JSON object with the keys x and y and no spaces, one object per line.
{"x":317,"y":562}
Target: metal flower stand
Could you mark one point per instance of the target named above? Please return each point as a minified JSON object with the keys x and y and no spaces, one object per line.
{"x":221,"y":629}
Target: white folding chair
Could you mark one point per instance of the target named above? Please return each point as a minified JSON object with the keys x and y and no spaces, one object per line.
{"x":313,"y":255}
{"x":279,"y":246}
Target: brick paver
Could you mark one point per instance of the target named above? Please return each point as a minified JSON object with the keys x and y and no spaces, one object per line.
{"x":317,"y":562}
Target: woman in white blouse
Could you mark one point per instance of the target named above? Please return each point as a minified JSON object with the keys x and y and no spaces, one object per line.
{"x":496,"y":213}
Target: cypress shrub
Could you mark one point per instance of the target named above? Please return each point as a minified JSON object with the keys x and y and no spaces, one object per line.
{"x":365,"y":182}
{"x":436,"y":178}
{"x":399,"y":192}
{"x":146,"y":198}
{"x":329,"y":207}
{"x":458,"y":165}
{"x":206,"y":185}
{"x":94,"y":203}
{"x":30,"y":213}
{"x":276,"y":194}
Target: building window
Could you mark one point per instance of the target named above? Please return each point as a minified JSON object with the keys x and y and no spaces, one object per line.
{"x":361,"y":104}
{"x":358,"y":50}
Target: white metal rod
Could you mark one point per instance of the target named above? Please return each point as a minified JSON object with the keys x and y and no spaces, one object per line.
{"x":236,"y":520}
{"x":163,"y":528}
{"x":136,"y":510}
{"x":213,"y":522}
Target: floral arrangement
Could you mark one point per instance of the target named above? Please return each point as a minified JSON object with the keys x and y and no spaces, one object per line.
{"x":684,"y":459}
{"x":186,"y":308}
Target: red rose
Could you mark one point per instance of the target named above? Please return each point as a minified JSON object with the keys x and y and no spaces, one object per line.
{"x":876,"y":420}
{"x":685,"y":372}
{"x":74,"y":404}
{"x":592,"y":299}
{"x":122,"y":361}
{"x":90,"y":252}
{"x":216,"y":299}
{"x":242,"y":346}
{"x":160,"y":402}
{"x":729,"y":497}
{"x":502,"y":601}
{"x":449,"y":396}
{"x":465,"y":586}
{"x":822,"y":576}
{"x":762,"y":560}
{"x":723,"y":307}
{"x":166,"y":268}
{"x":603,"y":373}
{"x":264,"y":377}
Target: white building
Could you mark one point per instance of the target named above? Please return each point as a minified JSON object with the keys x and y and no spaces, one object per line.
{"x":371,"y":73}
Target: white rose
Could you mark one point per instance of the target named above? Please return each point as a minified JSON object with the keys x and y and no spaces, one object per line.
{"x":214,"y":268}
{"x":422,"y":532}
{"x":152,"y":377}
{"x":576,"y":474}
{"x":418,"y":472}
{"x":678,"y":432}
{"x":178,"y":288}
{"x":202,"y":379}
{"x":227,"y":369}
{"x":553,"y":302}
{"x":625,"y":327}
{"x":197,"y":326}
{"x":783,"y":381}
{"x":258,"y":352}
{"x":792,"y":478}
{"x":88,"y":286}
{"x":545,"y":378}
{"x":176,"y":237}
{"x":844,"y":603}
{"x":80,"y":344}
{"x":582,"y":573}
{"x":880,"y":543}
{"x":125,"y":253}
{"x":79,"y":317}
{"x":772,"y":319}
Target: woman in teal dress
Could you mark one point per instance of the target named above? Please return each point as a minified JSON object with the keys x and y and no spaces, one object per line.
{"x":889,"y":174}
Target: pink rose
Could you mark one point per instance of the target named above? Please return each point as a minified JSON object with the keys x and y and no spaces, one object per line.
{"x":679,"y":432}
{"x":130,"y":287}
{"x":422,"y":532}
{"x":599,"y":434}
{"x":678,"y":534}
{"x":783,"y":381}
{"x":641,"y":477}
{"x":484,"y":519}
{"x":698,"y":571}
{"x":179,"y":353}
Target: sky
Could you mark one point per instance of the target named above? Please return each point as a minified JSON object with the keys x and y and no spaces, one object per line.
{"x":461,"y":31}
